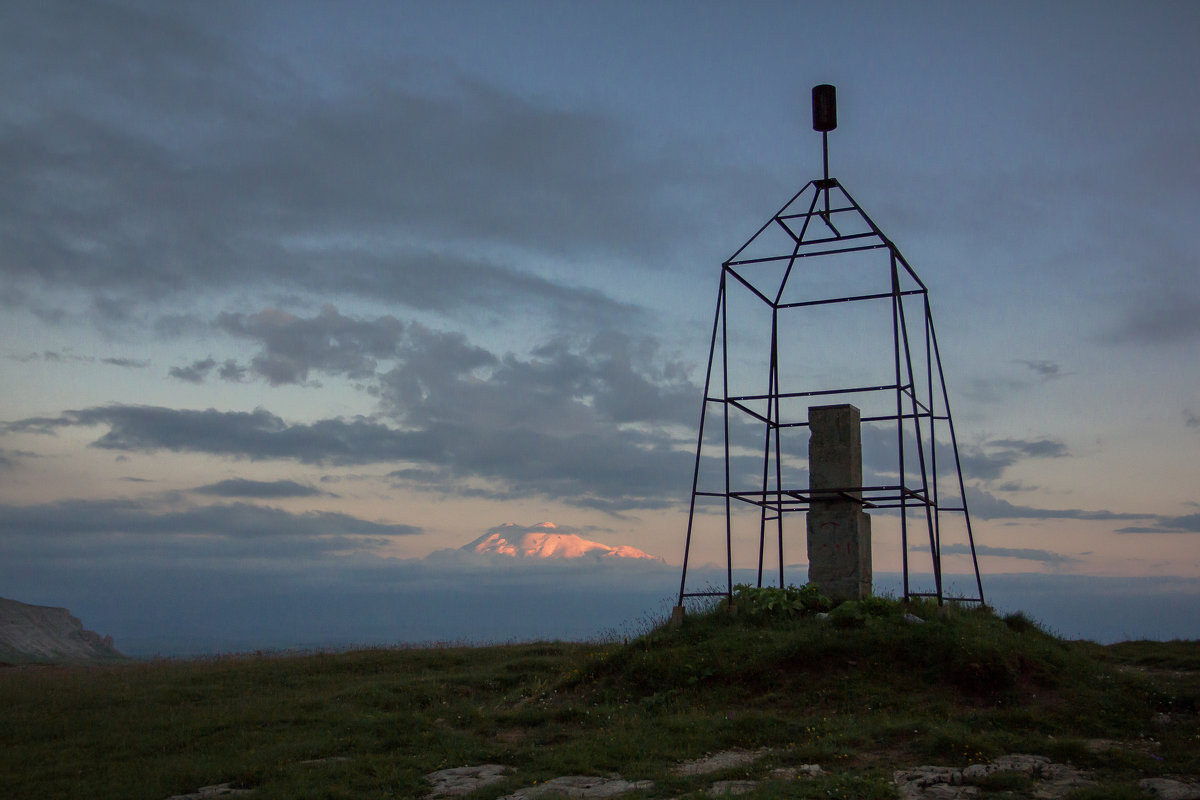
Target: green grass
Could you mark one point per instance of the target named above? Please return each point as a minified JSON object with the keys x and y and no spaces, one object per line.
{"x":862,"y":693}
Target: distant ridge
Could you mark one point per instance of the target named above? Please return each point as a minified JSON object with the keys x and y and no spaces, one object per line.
{"x":543,"y":541}
{"x":48,"y":635}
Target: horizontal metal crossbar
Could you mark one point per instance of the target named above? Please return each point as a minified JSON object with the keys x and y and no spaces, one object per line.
{"x":804,"y":424}
{"x":822,"y":212}
{"x":792,"y":500}
{"x":851,"y":299}
{"x":790,"y":256}
{"x":817,"y":393}
{"x":842,"y":238}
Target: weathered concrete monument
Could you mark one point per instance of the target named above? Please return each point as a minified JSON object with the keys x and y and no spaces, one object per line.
{"x":819,"y":307}
{"x":839,"y":531}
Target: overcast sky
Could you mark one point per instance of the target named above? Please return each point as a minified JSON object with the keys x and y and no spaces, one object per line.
{"x":286,"y":284}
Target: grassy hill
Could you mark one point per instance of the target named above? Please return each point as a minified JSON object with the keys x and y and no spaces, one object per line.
{"x":861,"y":692}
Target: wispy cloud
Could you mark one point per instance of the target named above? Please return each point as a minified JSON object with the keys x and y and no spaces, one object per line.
{"x":605,"y":468}
{"x":428,"y":189}
{"x":58,"y":357}
{"x":1188,"y":523}
{"x":1047,"y":557}
{"x":1162,"y":306}
{"x":243,"y":487}
{"x":987,"y":506}
{"x":1045,"y":370}
{"x":195,"y":372}
{"x":72,"y":529}
{"x":328,"y":342}
{"x":989,"y":460}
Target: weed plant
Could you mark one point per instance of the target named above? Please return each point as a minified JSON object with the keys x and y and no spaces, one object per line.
{"x":861,"y":689}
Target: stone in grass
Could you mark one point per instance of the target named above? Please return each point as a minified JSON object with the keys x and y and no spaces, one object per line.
{"x":719,"y":761}
{"x":802,"y":771}
{"x":206,"y":792}
{"x":948,"y":783}
{"x":931,"y":781}
{"x":1170,"y":788}
{"x":722,"y":788}
{"x":457,"y":781}
{"x":581,"y":786}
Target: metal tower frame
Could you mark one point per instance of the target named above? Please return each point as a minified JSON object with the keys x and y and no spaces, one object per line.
{"x":822,"y":224}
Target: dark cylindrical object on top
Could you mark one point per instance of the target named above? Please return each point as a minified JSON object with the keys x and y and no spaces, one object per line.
{"x":824,"y":107}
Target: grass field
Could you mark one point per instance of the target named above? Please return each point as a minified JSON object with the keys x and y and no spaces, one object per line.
{"x":861,"y":692}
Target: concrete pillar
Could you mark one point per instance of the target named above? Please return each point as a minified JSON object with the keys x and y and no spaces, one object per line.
{"x":839,"y":532}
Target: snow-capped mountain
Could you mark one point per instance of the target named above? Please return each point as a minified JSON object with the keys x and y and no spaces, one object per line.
{"x":544,"y":541}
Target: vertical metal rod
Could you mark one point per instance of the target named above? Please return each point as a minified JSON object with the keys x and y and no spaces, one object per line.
{"x":899,"y":422}
{"x":933,"y":461}
{"x":825,"y":160}
{"x":712,"y":347}
{"x":772,"y":431}
{"x":934,"y":550}
{"x":725,"y":407}
{"x":962,"y":488}
{"x":778,"y":454}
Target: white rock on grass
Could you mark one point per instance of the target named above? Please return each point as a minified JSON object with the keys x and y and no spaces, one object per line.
{"x":724,"y":788}
{"x":457,"y":781}
{"x":791,"y":773}
{"x":948,"y":783}
{"x":719,"y":761}
{"x":1170,"y":788}
{"x":207,"y":792}
{"x":581,"y":786}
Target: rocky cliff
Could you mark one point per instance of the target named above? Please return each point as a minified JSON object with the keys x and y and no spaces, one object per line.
{"x":43,"y":634}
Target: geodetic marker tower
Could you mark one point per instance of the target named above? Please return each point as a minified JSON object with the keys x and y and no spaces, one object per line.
{"x":824,"y":330}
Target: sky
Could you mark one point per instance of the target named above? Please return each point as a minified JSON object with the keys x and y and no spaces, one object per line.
{"x":297,"y":296}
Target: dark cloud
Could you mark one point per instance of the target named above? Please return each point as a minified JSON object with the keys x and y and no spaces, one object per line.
{"x":1030,"y":448}
{"x":263,"y":490}
{"x":609,"y":380}
{"x":1162,"y":307}
{"x":231,"y":371}
{"x":610,"y":469}
{"x":1171,"y":319}
{"x":9,"y":458}
{"x":85,"y":517}
{"x":195,"y":372}
{"x":1188,"y":523}
{"x":193,"y":161}
{"x":255,"y":435}
{"x":1190,"y":418}
{"x":1024,"y":553}
{"x":987,"y":506}
{"x":592,"y":422}
{"x":993,"y":389}
{"x":130,"y":363}
{"x":108,"y":530}
{"x":1046,"y":370}
{"x":989,"y":460}
{"x":57,"y":357}
{"x":329,"y":342}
